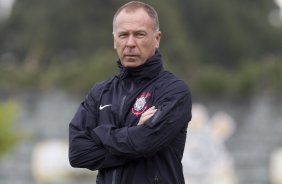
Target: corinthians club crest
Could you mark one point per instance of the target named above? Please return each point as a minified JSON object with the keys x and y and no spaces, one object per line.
{"x":140,"y":104}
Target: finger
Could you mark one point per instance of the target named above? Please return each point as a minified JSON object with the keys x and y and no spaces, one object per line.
{"x":149,"y":112}
{"x":147,"y":115}
{"x":151,"y":108}
{"x":152,"y":111}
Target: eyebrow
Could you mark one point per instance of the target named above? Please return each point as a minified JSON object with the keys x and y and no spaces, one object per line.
{"x":137,"y":31}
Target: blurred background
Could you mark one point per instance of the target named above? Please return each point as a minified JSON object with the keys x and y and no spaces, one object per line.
{"x":228,"y":52}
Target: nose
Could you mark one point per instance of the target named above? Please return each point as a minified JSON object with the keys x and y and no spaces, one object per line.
{"x":130,"y":41}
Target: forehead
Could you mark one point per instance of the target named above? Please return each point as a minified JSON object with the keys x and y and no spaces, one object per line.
{"x":137,"y":19}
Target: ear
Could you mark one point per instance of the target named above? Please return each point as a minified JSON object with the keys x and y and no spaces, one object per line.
{"x":158,"y":39}
{"x":114,"y":41}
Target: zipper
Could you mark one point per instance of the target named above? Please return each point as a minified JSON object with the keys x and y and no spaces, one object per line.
{"x":156,"y":179}
{"x":121,"y":110}
{"x":119,"y":121}
{"x":122,"y":104}
{"x":114,"y":177}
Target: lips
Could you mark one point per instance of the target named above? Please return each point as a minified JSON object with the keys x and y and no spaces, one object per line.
{"x":130,"y":55}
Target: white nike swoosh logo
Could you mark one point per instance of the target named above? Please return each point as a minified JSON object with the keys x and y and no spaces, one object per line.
{"x":103,"y":106}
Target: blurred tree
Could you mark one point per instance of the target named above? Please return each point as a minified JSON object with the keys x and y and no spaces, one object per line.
{"x":8,"y":136}
{"x":219,"y":31}
{"x":205,"y":42}
{"x":230,"y":31}
{"x":40,"y":30}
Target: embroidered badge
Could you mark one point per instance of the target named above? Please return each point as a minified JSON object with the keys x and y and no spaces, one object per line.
{"x":140,"y":104}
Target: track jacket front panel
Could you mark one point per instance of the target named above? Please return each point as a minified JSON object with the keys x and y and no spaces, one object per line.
{"x":104,"y":134}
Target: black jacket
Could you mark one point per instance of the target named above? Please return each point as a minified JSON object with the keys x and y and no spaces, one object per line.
{"x":104,"y":135}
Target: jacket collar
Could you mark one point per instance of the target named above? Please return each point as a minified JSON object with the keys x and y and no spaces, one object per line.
{"x":150,"y":69}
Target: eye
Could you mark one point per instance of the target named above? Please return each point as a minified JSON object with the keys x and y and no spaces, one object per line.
{"x":122,"y":35}
{"x":140,"y":34}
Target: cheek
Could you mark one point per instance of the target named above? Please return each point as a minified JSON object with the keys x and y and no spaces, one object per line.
{"x":149,"y":47}
{"x":117,"y":43}
{"x":118,"y":47}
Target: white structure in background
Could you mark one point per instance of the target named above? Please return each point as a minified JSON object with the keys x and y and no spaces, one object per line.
{"x":5,"y":8}
{"x":205,"y":159}
{"x":276,"y":167}
{"x":50,"y":164}
{"x":279,"y":3}
{"x":275,"y":16}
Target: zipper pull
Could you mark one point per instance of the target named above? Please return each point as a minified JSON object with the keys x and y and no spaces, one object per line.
{"x":156,"y":179}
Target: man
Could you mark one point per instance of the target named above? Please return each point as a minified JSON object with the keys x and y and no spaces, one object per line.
{"x":132,"y":128}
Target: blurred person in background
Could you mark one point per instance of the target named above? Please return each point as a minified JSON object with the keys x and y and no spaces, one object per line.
{"x":132,"y":127}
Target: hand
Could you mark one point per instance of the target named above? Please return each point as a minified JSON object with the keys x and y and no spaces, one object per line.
{"x":147,"y":114}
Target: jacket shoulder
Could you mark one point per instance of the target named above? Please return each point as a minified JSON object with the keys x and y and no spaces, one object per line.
{"x":169,"y":81}
{"x":97,"y":88}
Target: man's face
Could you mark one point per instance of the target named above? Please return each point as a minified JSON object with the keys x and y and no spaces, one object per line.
{"x":135,"y":39}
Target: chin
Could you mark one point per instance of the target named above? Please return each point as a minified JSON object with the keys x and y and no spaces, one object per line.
{"x":131,"y":65}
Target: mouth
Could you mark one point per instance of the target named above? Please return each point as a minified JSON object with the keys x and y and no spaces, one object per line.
{"x":130,"y":55}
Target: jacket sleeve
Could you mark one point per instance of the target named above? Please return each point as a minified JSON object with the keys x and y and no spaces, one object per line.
{"x":173,"y":115}
{"x":84,"y":152}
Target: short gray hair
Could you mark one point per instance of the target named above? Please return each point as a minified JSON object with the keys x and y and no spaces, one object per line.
{"x":134,"y":5}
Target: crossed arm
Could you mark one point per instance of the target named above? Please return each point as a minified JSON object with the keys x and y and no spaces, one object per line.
{"x":103,"y":146}
{"x":84,"y":152}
